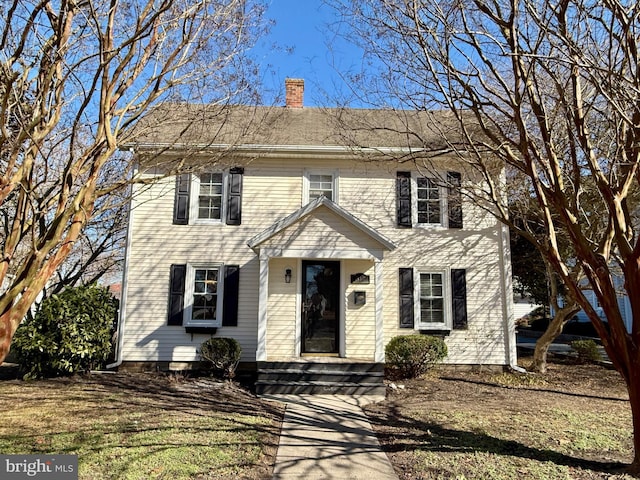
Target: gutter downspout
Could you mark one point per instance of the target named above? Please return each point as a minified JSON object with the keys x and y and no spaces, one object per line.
{"x":507,"y":300}
{"x":123,"y":294}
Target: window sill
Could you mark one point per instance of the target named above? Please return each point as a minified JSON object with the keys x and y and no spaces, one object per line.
{"x":431,"y":226}
{"x":442,"y":332}
{"x":202,"y":221}
{"x":433,"y":329}
{"x":200,"y":329}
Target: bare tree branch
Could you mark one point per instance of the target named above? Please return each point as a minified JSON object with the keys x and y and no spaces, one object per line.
{"x":554,"y":89}
{"x":75,"y":80}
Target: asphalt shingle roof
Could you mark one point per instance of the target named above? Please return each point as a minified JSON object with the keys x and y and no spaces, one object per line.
{"x":189,"y":124}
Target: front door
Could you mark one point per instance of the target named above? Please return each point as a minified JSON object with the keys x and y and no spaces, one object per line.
{"x":320,"y":306}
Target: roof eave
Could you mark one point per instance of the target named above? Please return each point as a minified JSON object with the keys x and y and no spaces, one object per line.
{"x":263,"y":148}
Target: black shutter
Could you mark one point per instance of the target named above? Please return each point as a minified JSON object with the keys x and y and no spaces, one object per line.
{"x":459,"y":294}
{"x":230,"y":300}
{"x":176,"y":294}
{"x":181,"y":203}
{"x":403,"y":198}
{"x":454,"y":199}
{"x":406,"y":297}
{"x":234,"y":196}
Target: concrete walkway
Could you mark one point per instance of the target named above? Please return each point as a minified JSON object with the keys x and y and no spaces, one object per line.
{"x":329,"y":437}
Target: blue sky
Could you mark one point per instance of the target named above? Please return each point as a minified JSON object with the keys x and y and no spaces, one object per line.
{"x":301,"y":33}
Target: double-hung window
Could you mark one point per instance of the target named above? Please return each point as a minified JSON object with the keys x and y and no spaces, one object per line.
{"x":209,"y":197}
{"x":429,"y":207}
{"x":320,"y":183}
{"x":432,"y":298}
{"x":203,"y":302}
{"x":203,"y":296}
{"x":209,"y":188}
{"x":433,"y":291}
{"x":433,"y":201}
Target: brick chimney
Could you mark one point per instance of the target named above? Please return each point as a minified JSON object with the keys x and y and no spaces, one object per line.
{"x":294,"y":88}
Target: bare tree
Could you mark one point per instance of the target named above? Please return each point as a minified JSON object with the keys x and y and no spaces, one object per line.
{"x":98,"y":254}
{"x":76,"y":76}
{"x":554,"y":92}
{"x":527,"y":223}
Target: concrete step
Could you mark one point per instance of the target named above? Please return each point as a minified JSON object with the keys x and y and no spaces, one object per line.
{"x":267,"y":387}
{"x":323,"y":377}
{"x":312,"y":375}
{"x":326,"y":365}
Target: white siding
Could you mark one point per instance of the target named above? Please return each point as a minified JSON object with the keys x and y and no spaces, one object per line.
{"x":483,"y":341}
{"x":156,"y":244}
{"x":323,"y":230}
{"x":360,"y":320}
{"x":272,"y":189}
{"x":283,"y":316}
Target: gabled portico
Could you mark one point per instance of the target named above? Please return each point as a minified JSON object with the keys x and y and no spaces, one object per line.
{"x":325,"y":234}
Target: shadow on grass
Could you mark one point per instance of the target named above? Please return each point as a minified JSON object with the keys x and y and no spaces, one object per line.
{"x":158,"y":410}
{"x":410,"y":434}
{"x":194,"y":395}
{"x":547,"y":390}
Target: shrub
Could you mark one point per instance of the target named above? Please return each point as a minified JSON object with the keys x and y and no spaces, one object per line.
{"x":222,"y":355}
{"x":71,"y":332}
{"x":413,"y":355}
{"x":587,"y":351}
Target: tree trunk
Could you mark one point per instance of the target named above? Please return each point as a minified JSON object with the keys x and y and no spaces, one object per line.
{"x":562,"y":316}
{"x":9,"y":322}
{"x":6,"y":334}
{"x":36,"y":275}
{"x":633,"y":386}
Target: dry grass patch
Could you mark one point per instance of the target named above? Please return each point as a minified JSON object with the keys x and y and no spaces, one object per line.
{"x":572,"y":423}
{"x":143,"y":426}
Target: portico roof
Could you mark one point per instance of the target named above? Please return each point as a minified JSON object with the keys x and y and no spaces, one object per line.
{"x":307,"y":210}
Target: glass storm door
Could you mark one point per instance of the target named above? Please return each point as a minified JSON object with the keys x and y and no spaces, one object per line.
{"x":320,"y":305}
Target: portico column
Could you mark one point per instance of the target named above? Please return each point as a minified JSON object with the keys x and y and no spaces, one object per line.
{"x":263,"y":298}
{"x":379,"y":353}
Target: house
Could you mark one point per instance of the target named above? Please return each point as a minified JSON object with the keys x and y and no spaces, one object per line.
{"x":310,"y":240}
{"x":524,"y":307}
{"x":622,"y":299}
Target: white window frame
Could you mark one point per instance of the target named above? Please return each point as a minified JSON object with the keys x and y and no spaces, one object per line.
{"x":194,"y":197}
{"x":306,"y":186}
{"x":189,"y":294}
{"x":443,"y":193}
{"x":446,"y":300}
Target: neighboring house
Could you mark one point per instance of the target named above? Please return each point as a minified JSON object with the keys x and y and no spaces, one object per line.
{"x":623,"y":304}
{"x":523,"y":307}
{"x":301,"y":247}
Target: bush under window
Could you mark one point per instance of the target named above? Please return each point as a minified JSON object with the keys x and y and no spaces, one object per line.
{"x":412,"y":355}
{"x":221,"y":355}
